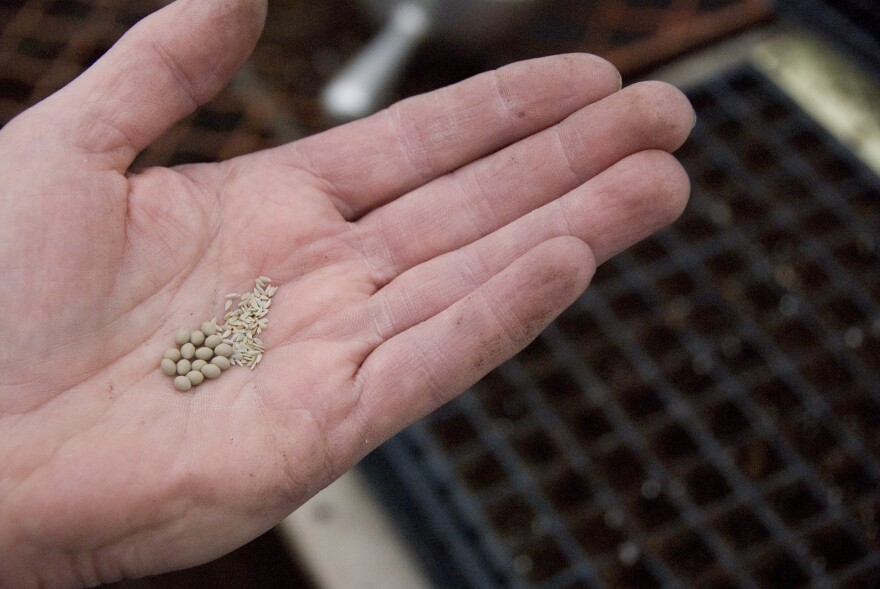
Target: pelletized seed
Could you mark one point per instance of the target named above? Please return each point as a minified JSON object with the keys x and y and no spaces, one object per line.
{"x":204,"y":354}
{"x":187,"y":350}
{"x":211,"y":371}
{"x":224,"y":350}
{"x":221,"y":361}
{"x":183,"y":367}
{"x":197,"y":364}
{"x":208,"y":328}
{"x":169,"y":368}
{"x":212,"y":341}
{"x":181,"y":337}
{"x":197,"y":338}
{"x":195,"y":377}
{"x":182,"y":383}
{"x":172,"y":354}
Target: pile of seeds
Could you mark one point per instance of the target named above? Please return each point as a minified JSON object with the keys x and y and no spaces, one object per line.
{"x":199,"y":355}
{"x":247,"y":321}
{"x":208,"y":351}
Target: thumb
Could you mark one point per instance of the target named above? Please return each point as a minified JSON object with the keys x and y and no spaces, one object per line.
{"x":159,"y":72}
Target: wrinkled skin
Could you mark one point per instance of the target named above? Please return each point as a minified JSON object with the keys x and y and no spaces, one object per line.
{"x":415,"y":250}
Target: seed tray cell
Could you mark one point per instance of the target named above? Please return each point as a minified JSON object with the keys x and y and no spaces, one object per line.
{"x":706,"y":414}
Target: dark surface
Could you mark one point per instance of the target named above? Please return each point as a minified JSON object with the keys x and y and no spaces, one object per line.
{"x":45,"y":43}
{"x":706,"y":415}
{"x":853,"y":23}
{"x":263,"y":563}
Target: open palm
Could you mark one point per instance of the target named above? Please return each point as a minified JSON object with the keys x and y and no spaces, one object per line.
{"x":414,"y":251}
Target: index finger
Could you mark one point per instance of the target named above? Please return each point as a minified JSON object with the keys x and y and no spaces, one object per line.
{"x":375,"y":160}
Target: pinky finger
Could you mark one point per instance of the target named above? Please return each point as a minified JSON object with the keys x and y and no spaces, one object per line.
{"x":427,"y":365}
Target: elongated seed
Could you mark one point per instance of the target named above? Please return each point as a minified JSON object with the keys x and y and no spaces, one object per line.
{"x":197,"y":338}
{"x":187,"y":350}
{"x":220,"y":361}
{"x":172,"y":354}
{"x":197,"y":364}
{"x":208,"y":328}
{"x":183,"y":367}
{"x":224,"y":350}
{"x":195,"y":377}
{"x":181,"y":337}
{"x":213,"y":341}
{"x":169,"y":368}
{"x":182,"y":383}
{"x":204,"y":354}
{"x":210,"y":370}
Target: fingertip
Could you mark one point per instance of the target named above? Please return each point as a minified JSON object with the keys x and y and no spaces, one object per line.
{"x":670,"y":184}
{"x":665,"y":109}
{"x":677,"y":187}
{"x":597,"y":69}
{"x":566,"y":269}
{"x":577,"y":254}
{"x":636,"y":197}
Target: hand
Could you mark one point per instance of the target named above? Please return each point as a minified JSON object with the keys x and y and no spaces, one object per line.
{"x":415,"y":250}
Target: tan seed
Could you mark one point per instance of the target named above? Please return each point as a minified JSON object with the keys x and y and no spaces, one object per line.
{"x":213,"y":341}
{"x":195,"y":377}
{"x":172,"y":354}
{"x":211,"y":370}
{"x":187,"y":350}
{"x":169,"y":368}
{"x":197,"y":364}
{"x":183,"y":367}
{"x":182,"y":383}
{"x":181,"y":337}
{"x":208,"y":328}
{"x":197,"y":338}
{"x":220,"y":361}
{"x":204,"y":354}
{"x":224,"y":350}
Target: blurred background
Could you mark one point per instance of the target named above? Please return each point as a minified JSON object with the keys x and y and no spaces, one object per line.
{"x":706,"y":415}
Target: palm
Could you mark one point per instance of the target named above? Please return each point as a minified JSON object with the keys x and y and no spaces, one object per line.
{"x":414,"y":251}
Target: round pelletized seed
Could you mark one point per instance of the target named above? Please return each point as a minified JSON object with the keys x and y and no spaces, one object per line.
{"x":208,"y":328}
{"x":204,"y":354}
{"x":197,"y":338}
{"x":187,"y":350}
{"x":224,"y":350}
{"x":195,"y":377}
{"x":212,"y":341}
{"x":169,"y":368}
{"x":182,"y":383}
{"x":181,"y":337}
{"x":197,"y":364}
{"x":211,"y":370}
{"x":220,"y":361}
{"x":172,"y":354}
{"x":183,"y":367}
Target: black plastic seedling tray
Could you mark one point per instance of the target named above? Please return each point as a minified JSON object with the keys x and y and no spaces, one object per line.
{"x":852,"y":23}
{"x":706,"y":415}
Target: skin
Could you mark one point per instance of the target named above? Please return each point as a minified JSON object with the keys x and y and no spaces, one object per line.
{"x":414,"y":250}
